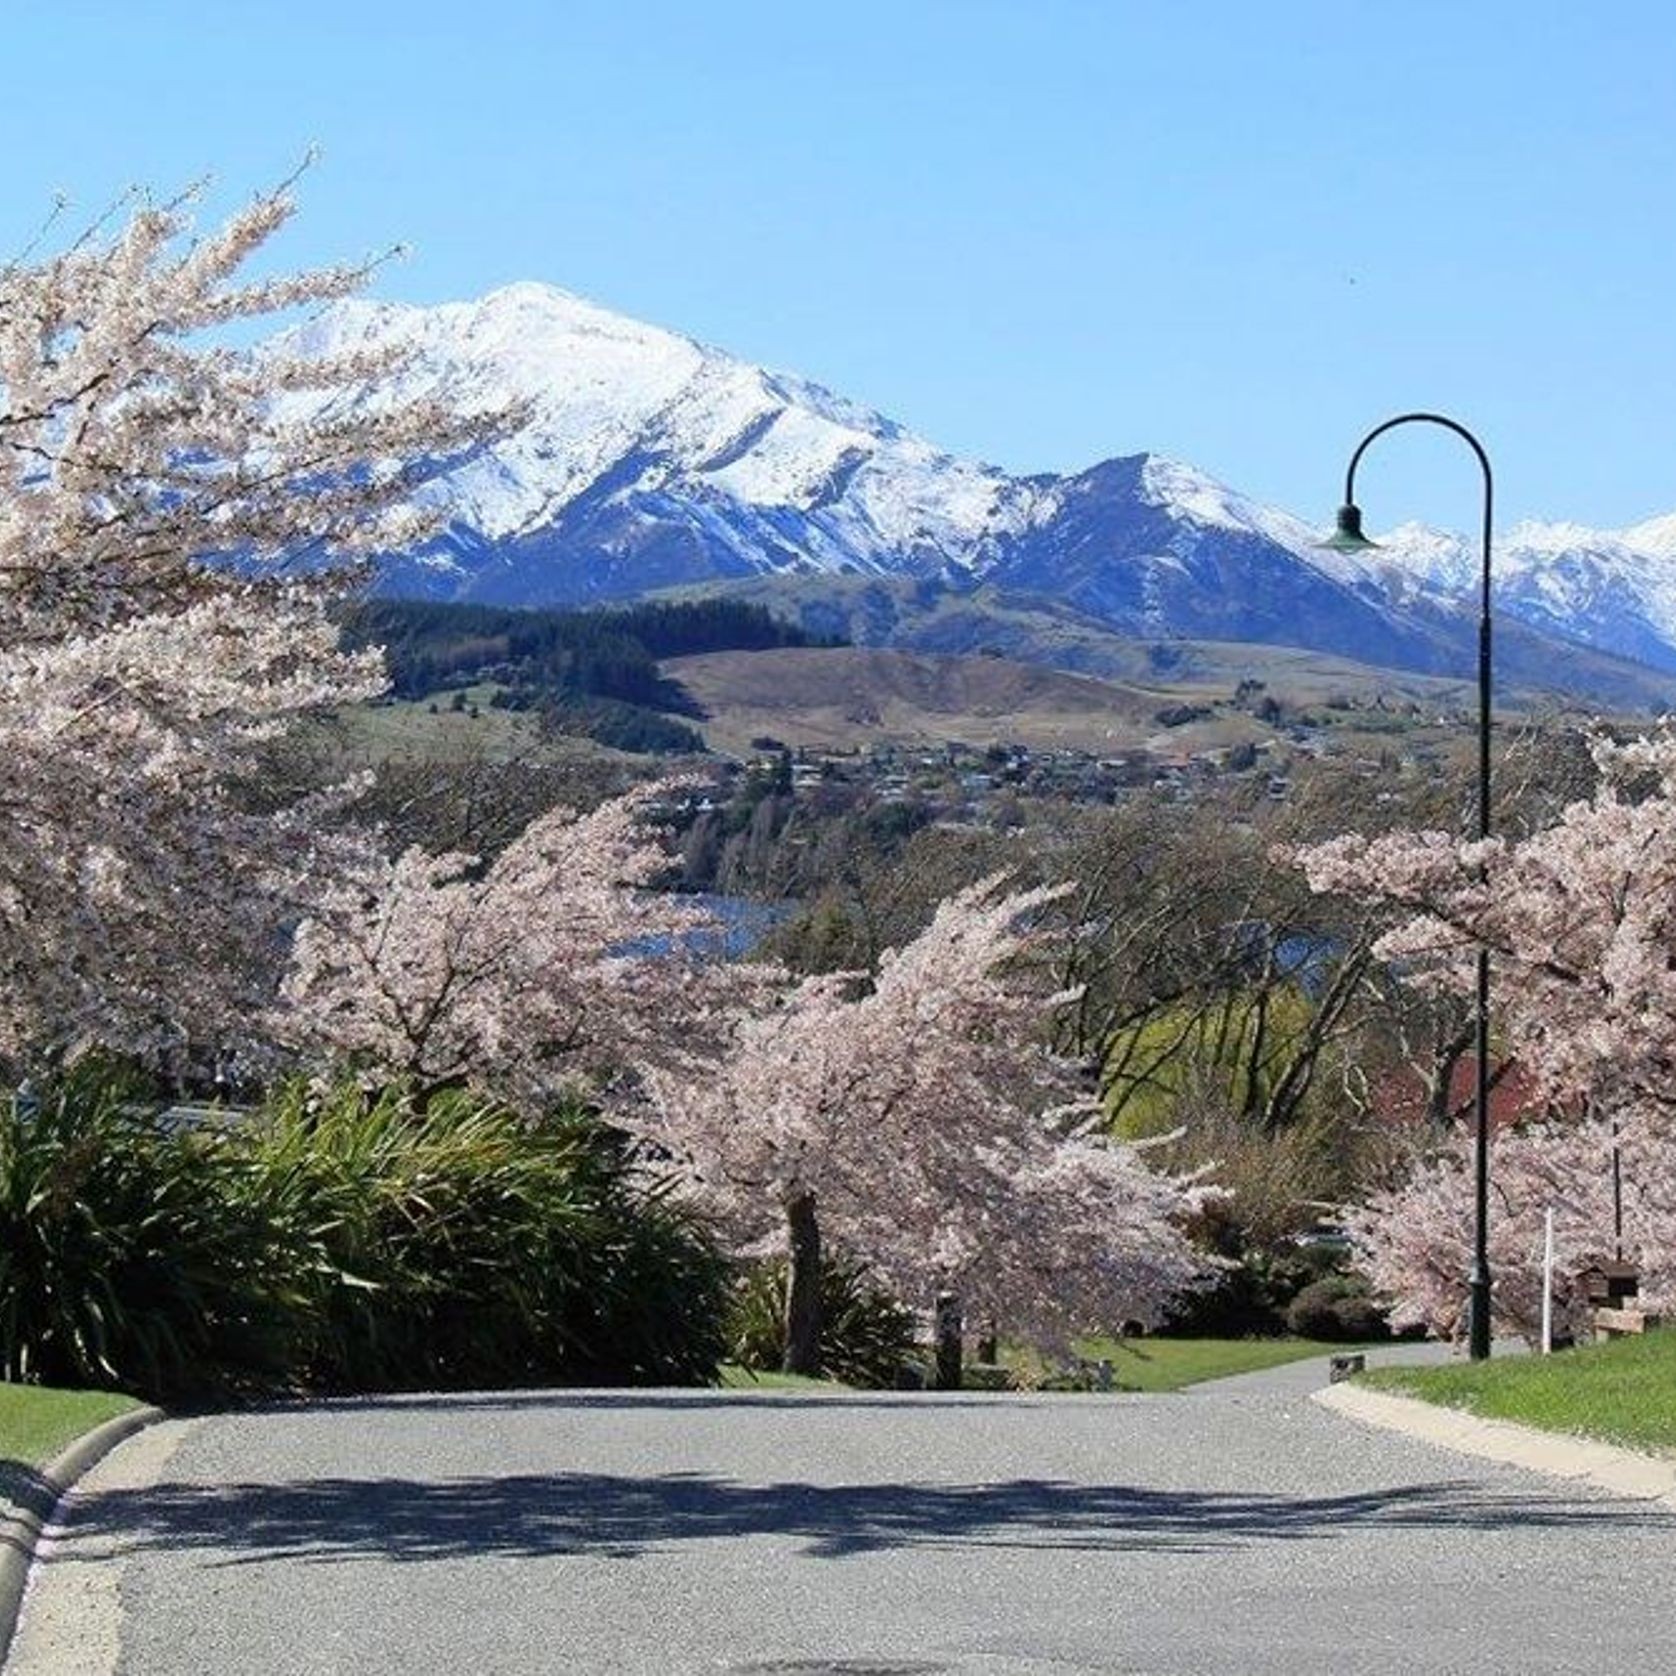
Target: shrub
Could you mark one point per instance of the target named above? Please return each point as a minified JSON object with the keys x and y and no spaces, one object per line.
{"x":1251,"y":1297}
{"x":625,"y":727}
{"x":466,"y":1246}
{"x":653,"y":1302}
{"x":1337,"y":1308}
{"x":138,"y":1253}
{"x":1265,"y":1224}
{"x":1178,"y":715}
{"x":339,"y":1242}
{"x":867,"y":1334}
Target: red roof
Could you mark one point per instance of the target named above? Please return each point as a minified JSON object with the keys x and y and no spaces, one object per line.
{"x":1514,"y":1097}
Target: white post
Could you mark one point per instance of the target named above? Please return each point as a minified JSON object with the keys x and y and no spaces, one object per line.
{"x":1548,"y":1283}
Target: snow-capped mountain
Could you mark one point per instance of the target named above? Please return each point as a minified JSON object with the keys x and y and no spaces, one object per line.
{"x":1614,"y":590}
{"x":649,"y":460}
{"x":650,"y":457}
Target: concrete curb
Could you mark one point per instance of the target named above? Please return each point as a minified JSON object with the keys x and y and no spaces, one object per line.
{"x":1622,"y":1471}
{"x":21,"y":1528}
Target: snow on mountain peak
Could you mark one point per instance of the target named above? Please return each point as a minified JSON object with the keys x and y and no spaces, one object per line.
{"x":539,"y":295}
{"x":1440,"y":561}
{"x":1536,"y":539}
{"x":1656,"y":535}
{"x":656,"y":413}
{"x":1191,"y":493}
{"x":530,"y":318}
{"x":1200,"y":498}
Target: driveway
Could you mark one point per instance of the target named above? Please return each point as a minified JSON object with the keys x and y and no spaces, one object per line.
{"x":1235,"y":1527}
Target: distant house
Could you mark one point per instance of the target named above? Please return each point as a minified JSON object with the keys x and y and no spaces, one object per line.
{"x":1403,"y":1096}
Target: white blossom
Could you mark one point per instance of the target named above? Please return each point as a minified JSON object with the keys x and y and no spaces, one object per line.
{"x":143,"y":902}
{"x":911,"y":1108}
{"x":1580,"y":922}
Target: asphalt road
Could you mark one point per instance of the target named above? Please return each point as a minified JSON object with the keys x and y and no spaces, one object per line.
{"x":1234,"y":1528}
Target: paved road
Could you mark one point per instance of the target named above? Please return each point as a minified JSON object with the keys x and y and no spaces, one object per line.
{"x":1235,"y":1528}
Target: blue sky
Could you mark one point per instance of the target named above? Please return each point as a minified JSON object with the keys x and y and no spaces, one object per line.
{"x":1038,"y":233}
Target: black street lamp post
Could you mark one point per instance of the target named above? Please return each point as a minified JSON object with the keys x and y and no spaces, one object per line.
{"x":1348,"y":538}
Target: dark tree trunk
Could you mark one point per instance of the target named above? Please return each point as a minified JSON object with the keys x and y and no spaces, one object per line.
{"x":949,"y":1344}
{"x":803,"y":1287}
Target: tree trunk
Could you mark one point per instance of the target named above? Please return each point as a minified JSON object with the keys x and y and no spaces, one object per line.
{"x":949,"y":1345}
{"x":803,"y":1287}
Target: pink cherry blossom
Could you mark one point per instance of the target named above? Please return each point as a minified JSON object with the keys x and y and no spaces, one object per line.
{"x":921,"y":1115}
{"x":1580,"y":920}
{"x":142,"y":900}
{"x":553,"y":963}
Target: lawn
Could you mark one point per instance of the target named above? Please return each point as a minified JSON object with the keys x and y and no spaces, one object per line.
{"x":1167,"y":1364}
{"x":1623,"y":1391}
{"x":736,"y":1378}
{"x":37,"y":1422}
{"x":1138,"y":1364}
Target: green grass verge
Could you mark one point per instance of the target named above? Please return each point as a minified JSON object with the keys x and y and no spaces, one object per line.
{"x":1143,"y":1364}
{"x":36,"y":1423}
{"x":1168,"y":1364}
{"x":1623,"y":1391}
{"x":736,"y":1378}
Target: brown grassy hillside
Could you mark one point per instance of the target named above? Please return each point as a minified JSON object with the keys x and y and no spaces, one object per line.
{"x":853,"y":695}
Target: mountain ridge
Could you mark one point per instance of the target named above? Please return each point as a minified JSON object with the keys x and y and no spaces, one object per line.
{"x":650,"y":461}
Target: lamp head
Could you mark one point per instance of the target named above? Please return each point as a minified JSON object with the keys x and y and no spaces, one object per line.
{"x":1348,"y":537}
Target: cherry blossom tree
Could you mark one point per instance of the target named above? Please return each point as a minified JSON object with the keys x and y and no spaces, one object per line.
{"x":141,"y":897}
{"x":1580,"y":920}
{"x":920,"y":1120}
{"x":554,"y":962}
{"x":1415,"y":1240}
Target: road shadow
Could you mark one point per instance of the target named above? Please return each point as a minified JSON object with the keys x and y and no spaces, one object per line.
{"x":27,"y":1496}
{"x":345,"y":1519}
{"x":713,"y":1400}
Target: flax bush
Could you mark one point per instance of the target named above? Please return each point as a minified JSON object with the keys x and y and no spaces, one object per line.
{"x":867,"y":1334}
{"x":466,"y":1245}
{"x":341,"y":1242}
{"x":139,"y":1253}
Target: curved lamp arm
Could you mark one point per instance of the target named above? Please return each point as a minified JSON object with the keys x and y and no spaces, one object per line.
{"x":1351,"y":508}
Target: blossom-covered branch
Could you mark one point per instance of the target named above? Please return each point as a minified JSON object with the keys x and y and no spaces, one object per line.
{"x":552,"y":962}
{"x":156,"y":486}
